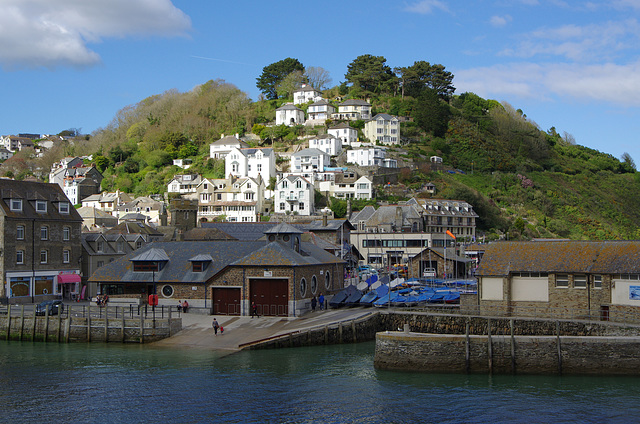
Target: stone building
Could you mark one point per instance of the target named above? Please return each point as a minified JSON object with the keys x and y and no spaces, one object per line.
{"x":40,"y":248}
{"x":281,"y":274}
{"x":576,"y":278}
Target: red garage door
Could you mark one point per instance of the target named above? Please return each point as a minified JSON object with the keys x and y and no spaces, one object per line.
{"x":270,"y":295}
{"x":226,"y":301}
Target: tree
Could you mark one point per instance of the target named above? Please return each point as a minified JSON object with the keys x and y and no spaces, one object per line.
{"x":432,"y":114}
{"x":289,"y":84}
{"x":421,"y":75}
{"x":627,"y":159}
{"x":371,"y":74}
{"x":272,"y":75}
{"x":317,"y":77}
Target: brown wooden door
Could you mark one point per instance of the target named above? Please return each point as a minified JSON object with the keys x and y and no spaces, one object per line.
{"x":226,"y":301}
{"x":270,"y":295}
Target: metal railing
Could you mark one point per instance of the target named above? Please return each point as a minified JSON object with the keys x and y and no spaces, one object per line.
{"x":93,"y":311}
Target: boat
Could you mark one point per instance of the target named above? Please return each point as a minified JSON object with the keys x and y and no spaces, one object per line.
{"x":368,"y":298}
{"x":339,"y":299}
{"x":353,"y":298}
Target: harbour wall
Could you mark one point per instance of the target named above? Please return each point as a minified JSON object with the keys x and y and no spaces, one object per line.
{"x":67,"y":328}
{"x":447,"y":353}
{"x":366,"y":328}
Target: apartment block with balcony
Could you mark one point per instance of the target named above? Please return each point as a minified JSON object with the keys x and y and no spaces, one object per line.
{"x":294,"y":195}
{"x":383,"y":128}
{"x":234,"y":199}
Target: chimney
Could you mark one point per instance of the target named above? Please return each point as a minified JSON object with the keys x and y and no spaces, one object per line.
{"x":324,"y":219}
{"x":398,"y":218}
{"x":349,"y":208}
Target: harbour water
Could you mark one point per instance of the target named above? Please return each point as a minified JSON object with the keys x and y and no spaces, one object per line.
{"x":111,"y":383}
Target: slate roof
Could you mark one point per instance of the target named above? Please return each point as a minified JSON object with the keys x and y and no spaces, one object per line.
{"x":29,"y":192}
{"x":289,"y":106}
{"x":355,"y":102}
{"x":178,"y":268}
{"x":279,"y":254}
{"x":595,"y":257}
{"x":230,"y":140}
{"x":310,"y":152}
{"x":242,"y":230}
{"x":387,"y":215}
{"x":364,"y":214}
{"x":201,"y":233}
{"x":134,"y":228}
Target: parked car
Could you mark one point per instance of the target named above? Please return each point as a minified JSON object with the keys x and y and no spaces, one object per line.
{"x":429,"y":273}
{"x":54,"y":306}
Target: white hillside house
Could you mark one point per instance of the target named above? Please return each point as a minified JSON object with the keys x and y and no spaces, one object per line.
{"x":294,"y":195}
{"x":327,"y":143}
{"x":289,"y":115}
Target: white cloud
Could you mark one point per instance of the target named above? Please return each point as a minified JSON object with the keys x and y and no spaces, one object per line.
{"x":610,"y":83}
{"x":580,"y":43}
{"x":426,"y":7}
{"x":45,"y":33}
{"x":500,"y":21}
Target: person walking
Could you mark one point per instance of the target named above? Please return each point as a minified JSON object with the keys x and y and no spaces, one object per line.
{"x":254,"y":310}
{"x":215,"y":326}
{"x":314,"y":302}
{"x":321,"y":301}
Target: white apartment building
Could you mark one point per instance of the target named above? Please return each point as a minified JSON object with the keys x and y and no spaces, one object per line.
{"x":252,"y":163}
{"x":345,"y":133}
{"x":309,"y":161}
{"x":346,"y":185}
{"x":294,"y":195}
{"x":372,"y":156}
{"x":383,"y":128}
{"x":184,"y":183}
{"x":306,"y":94}
{"x":320,"y":111}
{"x":220,"y":148}
{"x":327,"y":143}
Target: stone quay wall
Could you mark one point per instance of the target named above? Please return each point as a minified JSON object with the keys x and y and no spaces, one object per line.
{"x":65,"y":329}
{"x":447,"y":353}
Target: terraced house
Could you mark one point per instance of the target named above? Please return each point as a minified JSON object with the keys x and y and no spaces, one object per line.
{"x":41,"y":242}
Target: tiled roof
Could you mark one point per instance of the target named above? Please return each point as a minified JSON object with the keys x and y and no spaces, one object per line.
{"x":597,"y":257}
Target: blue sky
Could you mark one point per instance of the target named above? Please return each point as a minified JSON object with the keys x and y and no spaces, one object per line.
{"x":75,"y":63}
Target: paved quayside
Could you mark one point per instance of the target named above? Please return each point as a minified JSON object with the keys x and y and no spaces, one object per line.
{"x":198,"y":333}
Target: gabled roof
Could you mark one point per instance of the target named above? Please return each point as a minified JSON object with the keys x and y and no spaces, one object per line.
{"x":387,"y":215}
{"x":29,"y":191}
{"x":355,"y":102}
{"x":229,"y":140}
{"x":310,"y":152}
{"x":152,"y":255}
{"x":277,"y":253}
{"x":321,"y":102}
{"x":364,"y":214}
{"x":202,"y":233}
{"x":289,"y":106}
{"x":596,"y":257}
{"x":283,"y":228}
{"x":306,"y":87}
{"x":341,"y":126}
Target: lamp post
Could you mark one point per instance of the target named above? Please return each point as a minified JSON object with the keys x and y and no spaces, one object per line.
{"x":155,"y":298}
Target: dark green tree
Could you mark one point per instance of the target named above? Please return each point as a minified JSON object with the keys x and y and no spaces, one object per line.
{"x":422,"y":75}
{"x":272,"y":75}
{"x":371,"y":74}
{"x":101,"y":162}
{"x":432,"y":114}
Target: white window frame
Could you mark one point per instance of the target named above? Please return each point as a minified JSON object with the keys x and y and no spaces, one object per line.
{"x":66,"y":255}
{"x":20,"y":232}
{"x":15,"y":205}
{"x":44,"y":256}
{"x":41,"y":206}
{"x":562,"y":281}
{"x":19,"y":257}
{"x":580,"y":281}
{"x":63,"y":208}
{"x":44,"y":232}
{"x":66,"y":233}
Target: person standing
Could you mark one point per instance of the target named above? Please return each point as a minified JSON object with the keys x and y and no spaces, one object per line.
{"x":321,"y":301}
{"x":215,"y":326}
{"x":314,"y":302}
{"x":254,"y":310}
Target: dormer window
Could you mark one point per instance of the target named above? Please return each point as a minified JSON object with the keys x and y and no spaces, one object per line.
{"x":16,"y":205}
{"x":41,"y":206}
{"x":145,"y":266}
{"x":63,"y":208}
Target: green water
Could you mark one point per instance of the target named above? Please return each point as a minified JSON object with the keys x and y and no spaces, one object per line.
{"x":111,"y":383}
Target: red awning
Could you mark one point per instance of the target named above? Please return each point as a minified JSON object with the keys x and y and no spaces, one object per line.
{"x":68,"y":278}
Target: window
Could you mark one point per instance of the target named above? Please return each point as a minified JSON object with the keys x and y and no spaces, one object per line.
{"x":259,"y":167}
{"x":167,"y":291}
{"x":314,"y":284}
{"x":580,"y":281}
{"x":145,"y":266}
{"x":66,"y":233}
{"x":65,"y":256}
{"x":303,"y":287}
{"x":100,"y":246}
{"x":562,"y":280}
{"x":138,"y":244}
{"x":41,"y":206}
{"x":44,"y":233}
{"x":44,"y":256}
{"x":16,"y":205}
{"x":120,"y":246}
{"x":63,"y":207}
{"x":20,"y":232}
{"x":20,"y":257}
{"x":100,"y":264}
{"x":198,"y":266}
{"x":597,"y":281}
{"x":327,"y":280}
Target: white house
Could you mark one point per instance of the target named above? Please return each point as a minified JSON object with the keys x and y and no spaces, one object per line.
{"x":106,"y":201}
{"x":220,"y":148}
{"x":308,"y":161}
{"x":237,"y":199}
{"x":5,"y":154}
{"x":328,"y":143}
{"x":290,"y":115}
{"x":383,"y":128}
{"x":373,"y":156}
{"x":294,"y":195}
{"x":352,"y":110}
{"x":345,"y":133}
{"x":347,"y":185}
{"x":320,"y":111}
{"x":252,"y":163}
{"x":306,"y":94}
{"x":184,"y":183}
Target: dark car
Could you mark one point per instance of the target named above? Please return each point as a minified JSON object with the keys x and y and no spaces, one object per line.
{"x":54,"y":307}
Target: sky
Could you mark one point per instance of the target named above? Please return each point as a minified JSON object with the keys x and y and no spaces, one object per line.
{"x":572,"y":65}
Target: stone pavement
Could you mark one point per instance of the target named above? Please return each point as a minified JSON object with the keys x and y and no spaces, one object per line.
{"x":198,"y":333}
